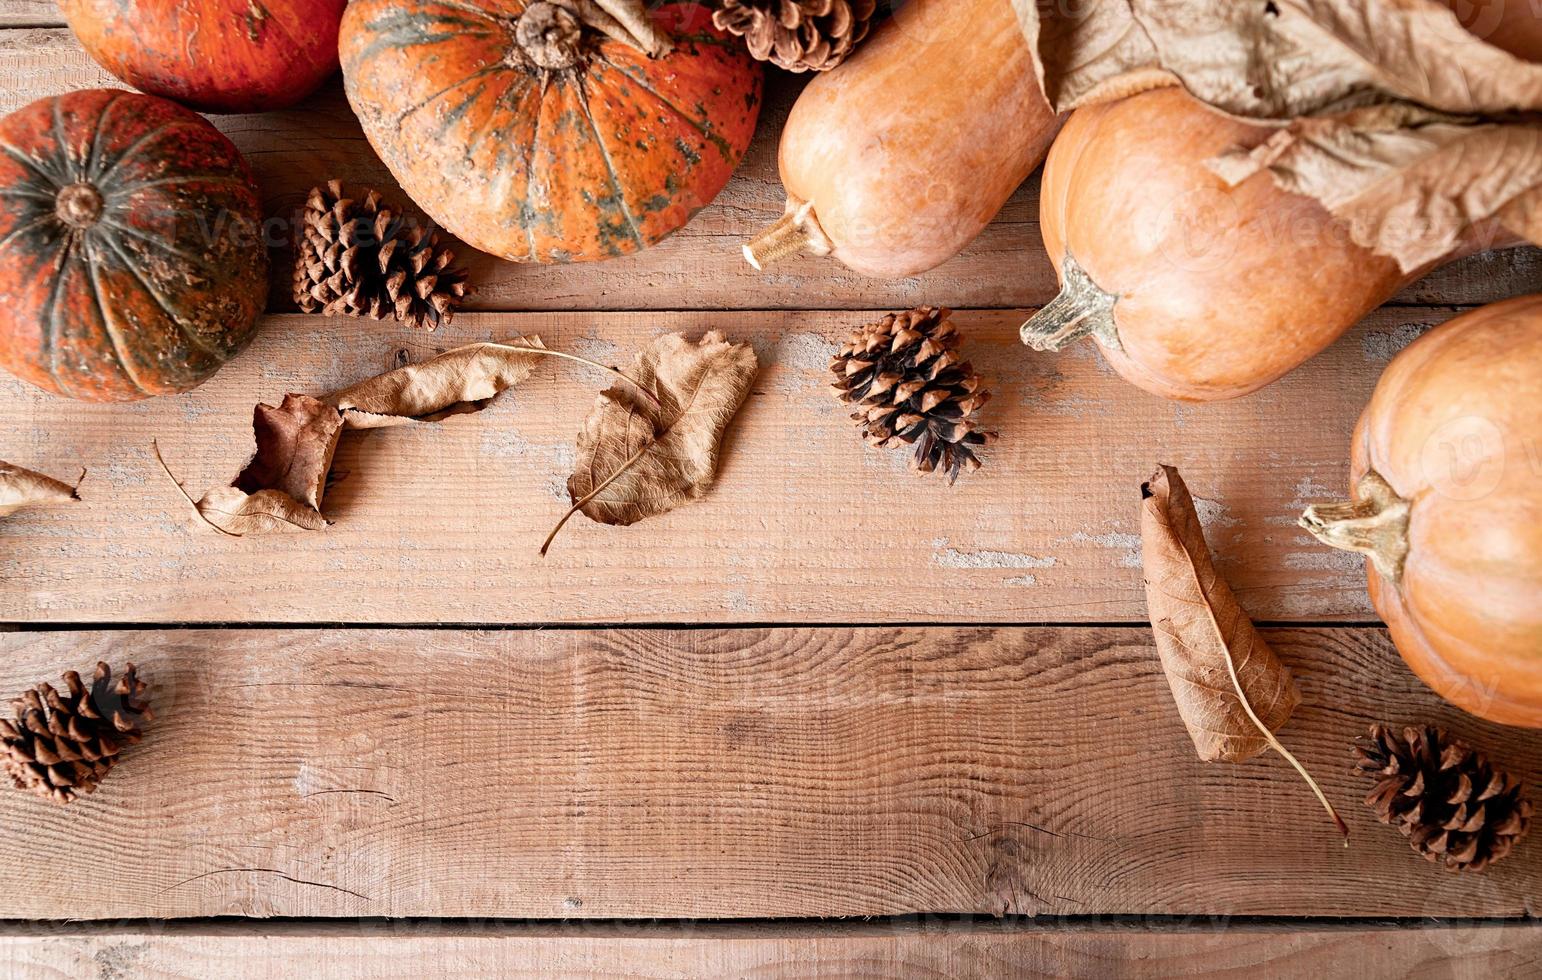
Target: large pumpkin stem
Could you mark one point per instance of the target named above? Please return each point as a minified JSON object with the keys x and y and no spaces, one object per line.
{"x":797,"y":230}
{"x":550,"y":32}
{"x":1375,"y":523}
{"x":78,"y":205}
{"x":1082,"y":308}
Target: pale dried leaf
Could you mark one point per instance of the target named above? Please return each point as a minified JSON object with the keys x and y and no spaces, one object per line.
{"x":1407,"y":183}
{"x":282,"y":485}
{"x":1409,"y":128}
{"x":458,"y":381}
{"x":1277,"y":59}
{"x":23,"y":488}
{"x":668,"y":454}
{"x":1199,"y":626}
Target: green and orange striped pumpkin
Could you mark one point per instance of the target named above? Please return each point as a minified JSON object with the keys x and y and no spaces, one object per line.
{"x":538,"y":136}
{"x":131,"y":255}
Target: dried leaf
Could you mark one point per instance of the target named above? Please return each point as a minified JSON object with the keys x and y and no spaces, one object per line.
{"x":1405,"y":125}
{"x":1277,"y":60}
{"x":282,"y":485}
{"x":458,"y":381}
{"x":1232,"y":691}
{"x":637,"y":459}
{"x":23,"y":488}
{"x":1408,"y":183}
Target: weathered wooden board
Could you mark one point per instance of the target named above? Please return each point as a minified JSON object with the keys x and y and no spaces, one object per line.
{"x":721,"y":773}
{"x":442,"y":522}
{"x":1495,"y":951}
{"x":699,"y":267}
{"x":30,"y":13}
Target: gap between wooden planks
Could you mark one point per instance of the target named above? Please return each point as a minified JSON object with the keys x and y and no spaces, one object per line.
{"x":698,"y":267}
{"x":441,"y":523}
{"x":729,"y":773}
{"x":1494,"y":951}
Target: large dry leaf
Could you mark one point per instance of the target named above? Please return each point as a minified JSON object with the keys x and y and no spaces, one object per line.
{"x":637,"y":458}
{"x":23,"y":488}
{"x":1200,"y":628}
{"x":457,"y":381}
{"x":1277,"y":59}
{"x":1402,"y":123}
{"x":282,"y":485}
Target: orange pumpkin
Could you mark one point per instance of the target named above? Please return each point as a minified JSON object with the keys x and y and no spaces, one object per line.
{"x":131,"y":257}
{"x":214,"y":55}
{"x":1447,"y":503}
{"x":1193,"y":289}
{"x":532,"y":133}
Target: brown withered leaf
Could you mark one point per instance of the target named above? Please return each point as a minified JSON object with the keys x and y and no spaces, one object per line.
{"x":1231,"y":690}
{"x":1277,"y":60}
{"x":1405,"y":125}
{"x":636,"y":458}
{"x":281,"y":487}
{"x":458,"y":381}
{"x":23,"y":488}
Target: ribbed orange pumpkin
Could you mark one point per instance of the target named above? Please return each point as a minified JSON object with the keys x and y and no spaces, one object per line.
{"x":1447,"y":503}
{"x":131,"y":256}
{"x":537,"y":135}
{"x":214,"y":55}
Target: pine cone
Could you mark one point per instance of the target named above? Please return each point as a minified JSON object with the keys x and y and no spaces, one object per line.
{"x":1447,"y":800}
{"x":62,"y":745}
{"x":798,"y":35}
{"x":359,"y":258}
{"x":903,"y":373}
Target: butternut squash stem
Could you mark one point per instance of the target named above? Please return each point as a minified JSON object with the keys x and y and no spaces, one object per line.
{"x":1082,"y":308}
{"x":786,"y":237}
{"x":1374,"y":524}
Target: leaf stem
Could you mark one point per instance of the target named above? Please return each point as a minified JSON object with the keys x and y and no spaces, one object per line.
{"x":582,"y":360}
{"x":155,"y":445}
{"x":1274,"y":743}
{"x":579,"y":504}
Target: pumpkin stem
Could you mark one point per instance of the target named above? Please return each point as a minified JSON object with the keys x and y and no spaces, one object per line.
{"x":1082,"y":308}
{"x":1375,"y":523}
{"x":797,"y":230}
{"x":78,"y":205}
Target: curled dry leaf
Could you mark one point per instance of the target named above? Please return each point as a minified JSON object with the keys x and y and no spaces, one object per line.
{"x":638,"y":457}
{"x":1399,"y":120}
{"x":1231,"y":690}
{"x":282,"y":485}
{"x":23,"y":488}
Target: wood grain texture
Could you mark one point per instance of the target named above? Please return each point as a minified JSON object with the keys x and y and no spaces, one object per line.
{"x":722,"y":773}
{"x":442,"y":523}
{"x":30,"y":13}
{"x":1496,"y":951}
{"x":698,"y":267}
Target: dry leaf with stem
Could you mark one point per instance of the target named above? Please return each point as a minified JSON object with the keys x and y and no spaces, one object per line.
{"x":281,"y":487}
{"x":1231,"y":690}
{"x":1405,"y":125}
{"x":23,"y":488}
{"x":642,"y":455}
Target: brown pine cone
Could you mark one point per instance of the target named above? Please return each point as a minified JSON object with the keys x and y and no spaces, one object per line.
{"x":61,"y":745}
{"x":356,"y":257}
{"x":798,"y":35}
{"x":1454,"y":808}
{"x":904,"y":375}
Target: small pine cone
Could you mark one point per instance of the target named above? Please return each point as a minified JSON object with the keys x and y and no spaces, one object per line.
{"x":61,"y":745}
{"x":904,"y":375}
{"x":798,"y":35}
{"x":356,"y":257}
{"x":1453,"y":806}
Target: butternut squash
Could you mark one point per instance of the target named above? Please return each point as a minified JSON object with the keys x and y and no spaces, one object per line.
{"x":895,"y":160}
{"x":1446,"y":471}
{"x":1193,"y":289}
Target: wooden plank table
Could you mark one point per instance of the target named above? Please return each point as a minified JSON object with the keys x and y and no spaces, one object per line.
{"x":831,"y":689}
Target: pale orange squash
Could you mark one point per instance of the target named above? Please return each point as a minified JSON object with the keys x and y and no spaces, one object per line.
{"x":896,"y":159}
{"x":1446,"y":473}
